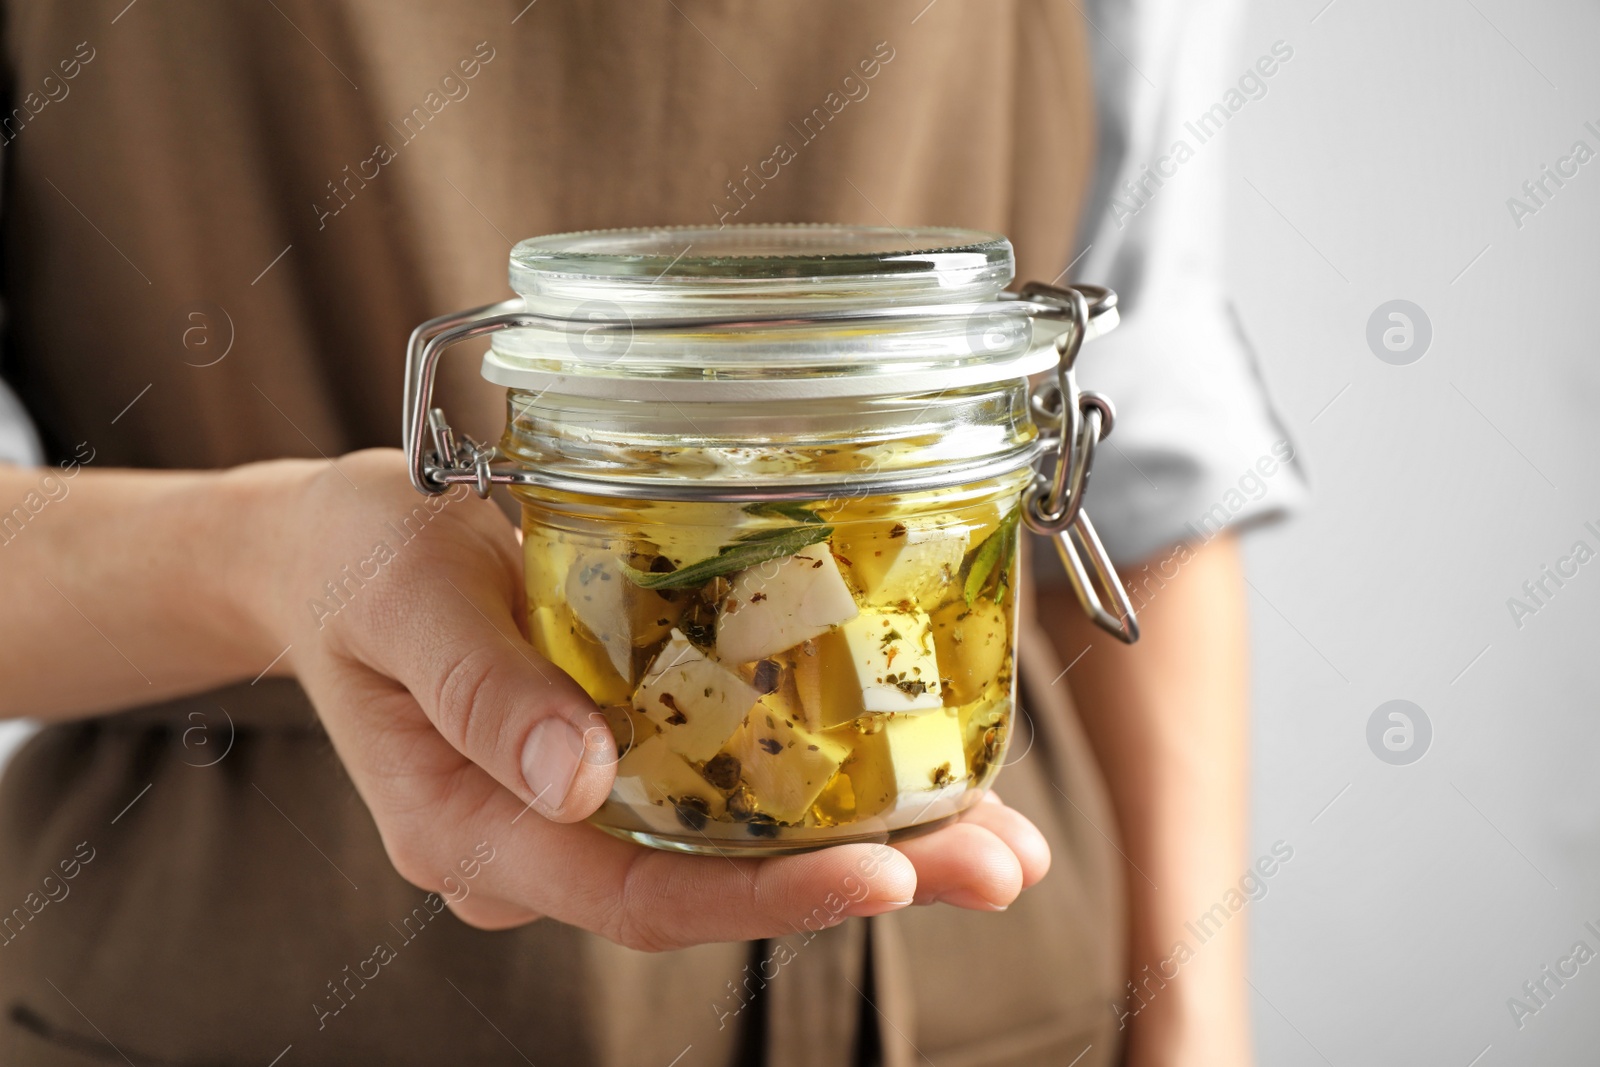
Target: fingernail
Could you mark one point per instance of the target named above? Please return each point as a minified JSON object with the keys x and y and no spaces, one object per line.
{"x":550,"y":762}
{"x":868,"y":908}
{"x":962,"y":898}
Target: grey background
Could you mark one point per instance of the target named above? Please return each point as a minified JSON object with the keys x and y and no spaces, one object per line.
{"x":1421,"y":897}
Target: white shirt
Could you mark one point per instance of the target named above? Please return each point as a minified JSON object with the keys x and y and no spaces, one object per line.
{"x":1195,"y":429}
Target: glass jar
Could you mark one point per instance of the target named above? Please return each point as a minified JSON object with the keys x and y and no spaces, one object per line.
{"x":772,"y":482}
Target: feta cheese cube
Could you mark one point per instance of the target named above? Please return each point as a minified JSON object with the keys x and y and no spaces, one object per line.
{"x":912,"y":763}
{"x":905,"y":563}
{"x":622,"y":617}
{"x":696,"y":701}
{"x":654,"y":782}
{"x":971,"y":644}
{"x":913,"y":809}
{"x":546,"y":564}
{"x":778,"y":604}
{"x":688,"y":532}
{"x":784,"y":765}
{"x":628,"y":725}
{"x":805,"y":666}
{"x":880,"y":661}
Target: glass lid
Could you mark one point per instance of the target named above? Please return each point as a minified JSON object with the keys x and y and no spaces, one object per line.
{"x":811,"y":262}
{"x":931,"y":291}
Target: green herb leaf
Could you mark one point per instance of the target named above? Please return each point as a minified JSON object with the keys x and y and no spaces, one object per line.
{"x":747,"y":551}
{"x":995,"y":548}
{"x":784,"y":509}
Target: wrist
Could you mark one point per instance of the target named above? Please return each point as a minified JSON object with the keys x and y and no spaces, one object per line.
{"x":256,"y":528}
{"x":1190,"y":1009}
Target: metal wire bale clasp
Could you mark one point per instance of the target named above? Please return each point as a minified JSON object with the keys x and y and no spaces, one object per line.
{"x":1053,"y":504}
{"x":467,"y":455}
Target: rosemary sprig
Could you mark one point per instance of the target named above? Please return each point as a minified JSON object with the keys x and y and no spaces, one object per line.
{"x":784,"y":509}
{"x":746,"y":551}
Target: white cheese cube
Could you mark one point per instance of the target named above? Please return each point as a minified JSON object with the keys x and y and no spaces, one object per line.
{"x":546,"y":564}
{"x":913,"y":809}
{"x":880,"y":661}
{"x":784,"y":765}
{"x":620,"y":615}
{"x":805,"y":662}
{"x":687,"y":532}
{"x":907,"y":563}
{"x":778,"y":604}
{"x":697,"y":702}
{"x":653,"y":781}
{"x":628,"y":725}
{"x":913,"y":760}
{"x":972,"y":645}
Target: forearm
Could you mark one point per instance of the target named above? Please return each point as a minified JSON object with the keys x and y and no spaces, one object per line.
{"x":123,"y":587}
{"x":1168,"y":721}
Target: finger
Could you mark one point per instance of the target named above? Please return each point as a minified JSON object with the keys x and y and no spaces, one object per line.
{"x":453,"y":642}
{"x":1019,"y":834}
{"x":964,"y":864}
{"x":433,"y":807}
{"x":408,"y":776}
{"x":487,"y":913}
{"x":654,"y":900}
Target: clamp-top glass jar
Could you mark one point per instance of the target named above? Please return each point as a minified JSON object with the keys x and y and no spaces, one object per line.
{"x":772,"y":480}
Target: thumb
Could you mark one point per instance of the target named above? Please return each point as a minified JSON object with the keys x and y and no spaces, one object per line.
{"x":497,"y":701}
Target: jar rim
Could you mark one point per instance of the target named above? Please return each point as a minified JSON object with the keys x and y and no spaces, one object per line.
{"x":828,"y":262}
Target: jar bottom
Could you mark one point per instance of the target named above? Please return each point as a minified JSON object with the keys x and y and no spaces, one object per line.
{"x":700,"y":845}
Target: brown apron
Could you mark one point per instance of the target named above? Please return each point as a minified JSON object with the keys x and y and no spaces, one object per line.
{"x":230,"y":216}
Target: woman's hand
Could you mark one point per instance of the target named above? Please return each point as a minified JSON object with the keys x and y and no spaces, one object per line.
{"x":404,"y":621}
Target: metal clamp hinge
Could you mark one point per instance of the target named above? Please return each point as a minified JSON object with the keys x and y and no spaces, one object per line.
{"x":468,"y":461}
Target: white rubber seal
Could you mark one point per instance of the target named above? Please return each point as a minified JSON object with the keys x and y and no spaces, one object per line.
{"x":497,"y":369}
